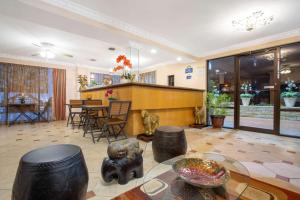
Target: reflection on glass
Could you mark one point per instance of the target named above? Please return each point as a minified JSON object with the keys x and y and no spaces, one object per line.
{"x":221,"y":79}
{"x":289,"y":89}
{"x":257,"y":90}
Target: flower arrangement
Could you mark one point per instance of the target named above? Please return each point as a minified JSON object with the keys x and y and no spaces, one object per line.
{"x":290,"y":90}
{"x":246,"y":87}
{"x":125,"y":65}
{"x":109,"y":94}
{"x":82,"y":80}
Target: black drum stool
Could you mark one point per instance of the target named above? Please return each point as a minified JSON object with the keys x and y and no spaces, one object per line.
{"x":55,"y":172}
{"x":168,"y":142}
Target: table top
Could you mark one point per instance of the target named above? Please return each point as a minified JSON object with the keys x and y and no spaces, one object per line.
{"x":21,"y":104}
{"x":93,"y":107}
{"x":161,"y":182}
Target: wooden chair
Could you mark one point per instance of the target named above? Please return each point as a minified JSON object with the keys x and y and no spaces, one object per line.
{"x":90,"y":117}
{"x":116,"y":120}
{"x":74,"y":104}
{"x":44,"y":111}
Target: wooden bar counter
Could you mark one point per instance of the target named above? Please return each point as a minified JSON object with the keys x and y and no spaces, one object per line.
{"x":173,"y":105}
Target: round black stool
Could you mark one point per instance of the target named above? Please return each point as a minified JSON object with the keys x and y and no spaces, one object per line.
{"x":168,"y":142}
{"x":55,"y":172}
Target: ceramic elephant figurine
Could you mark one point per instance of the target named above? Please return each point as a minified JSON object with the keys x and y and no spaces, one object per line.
{"x":122,"y":169}
{"x":125,"y":161}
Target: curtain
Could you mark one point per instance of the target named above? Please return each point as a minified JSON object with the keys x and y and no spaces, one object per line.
{"x":59,"y":94}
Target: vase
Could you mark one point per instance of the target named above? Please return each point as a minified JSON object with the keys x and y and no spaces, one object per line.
{"x":290,"y":101}
{"x":217,"y":121}
{"x":123,"y":80}
{"x":246,"y":101}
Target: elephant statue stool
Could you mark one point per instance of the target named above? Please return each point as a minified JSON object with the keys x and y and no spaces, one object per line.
{"x":124,"y":161}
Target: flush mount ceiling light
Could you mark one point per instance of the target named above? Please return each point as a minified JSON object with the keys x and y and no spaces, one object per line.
{"x":255,"y":20}
{"x":179,"y":59}
{"x":285,"y":69}
{"x":153,"y":51}
{"x":47,"y":54}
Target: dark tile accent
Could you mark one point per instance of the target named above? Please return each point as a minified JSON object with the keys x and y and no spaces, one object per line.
{"x":48,"y":131}
{"x":239,"y":138}
{"x":287,"y":162}
{"x":36,"y":140}
{"x":54,"y":141}
{"x":293,"y":152}
{"x":221,"y":138}
{"x":250,"y":144}
{"x":283,"y":178}
{"x":20,"y":134}
{"x":241,"y":151}
{"x":266,"y":151}
{"x":258,"y":161}
{"x":20,"y":130}
{"x":217,"y":151}
{"x":90,"y":194}
{"x":193,"y":151}
{"x":75,"y":131}
{"x":66,"y":136}
{"x":50,"y":135}
{"x":208,"y":143}
{"x":18,"y":139}
{"x":272,"y":144}
{"x":229,"y":143}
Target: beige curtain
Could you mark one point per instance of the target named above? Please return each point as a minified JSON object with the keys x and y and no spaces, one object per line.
{"x":59,"y":94}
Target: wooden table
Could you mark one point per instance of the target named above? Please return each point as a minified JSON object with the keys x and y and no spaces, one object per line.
{"x":266,"y":190}
{"x":22,"y":109}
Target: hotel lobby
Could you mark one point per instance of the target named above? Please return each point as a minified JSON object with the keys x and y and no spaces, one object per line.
{"x":131,"y":100}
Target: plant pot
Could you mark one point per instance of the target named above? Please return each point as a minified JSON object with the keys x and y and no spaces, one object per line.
{"x":123,"y":80}
{"x":290,"y":101}
{"x":217,"y":121}
{"x":246,"y":101}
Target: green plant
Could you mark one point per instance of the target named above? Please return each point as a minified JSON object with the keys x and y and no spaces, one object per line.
{"x":217,"y":103}
{"x":128,"y":75}
{"x":289,"y":93}
{"x":93,"y":82}
{"x":246,"y":95}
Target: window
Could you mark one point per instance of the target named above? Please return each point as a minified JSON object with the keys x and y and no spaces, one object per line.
{"x":99,"y":79}
{"x":171,"y":80}
{"x":148,"y":77}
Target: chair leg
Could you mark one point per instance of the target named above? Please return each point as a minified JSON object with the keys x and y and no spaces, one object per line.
{"x":68,"y":122}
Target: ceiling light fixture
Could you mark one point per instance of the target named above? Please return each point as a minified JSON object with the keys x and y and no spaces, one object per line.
{"x":153,"y":51}
{"x":47,"y":54}
{"x":93,"y":59}
{"x":255,"y":20}
{"x":179,"y":59}
{"x":111,"y":48}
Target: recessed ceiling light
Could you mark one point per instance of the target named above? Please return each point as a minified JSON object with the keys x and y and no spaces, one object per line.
{"x":179,"y":59}
{"x":111,"y":48}
{"x":217,"y":70}
{"x":153,"y":51}
{"x":93,"y":59}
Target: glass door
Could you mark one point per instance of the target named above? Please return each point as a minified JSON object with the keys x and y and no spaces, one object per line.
{"x":256,"y":85}
{"x":289,"y":72}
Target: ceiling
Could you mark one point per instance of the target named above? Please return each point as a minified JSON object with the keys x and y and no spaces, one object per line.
{"x":175,"y":28}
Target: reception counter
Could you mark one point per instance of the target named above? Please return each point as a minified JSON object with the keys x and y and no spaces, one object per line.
{"x":173,"y":105}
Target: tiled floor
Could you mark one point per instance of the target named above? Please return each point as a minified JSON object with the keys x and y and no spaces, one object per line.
{"x":269,"y":158}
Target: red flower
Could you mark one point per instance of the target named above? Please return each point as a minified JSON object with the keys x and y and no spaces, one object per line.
{"x":120,"y":58}
{"x":106,"y":95}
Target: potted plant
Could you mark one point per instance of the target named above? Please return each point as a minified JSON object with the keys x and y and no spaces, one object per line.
{"x":246,"y":96}
{"x":290,"y":95}
{"x":109,"y":95}
{"x":216,"y":103}
{"x":125,"y":65}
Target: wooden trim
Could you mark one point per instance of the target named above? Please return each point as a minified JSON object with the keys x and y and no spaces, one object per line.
{"x":276,"y":65}
{"x":142,"y":85}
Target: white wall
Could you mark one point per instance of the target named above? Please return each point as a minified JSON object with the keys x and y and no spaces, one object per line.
{"x":197,"y":81}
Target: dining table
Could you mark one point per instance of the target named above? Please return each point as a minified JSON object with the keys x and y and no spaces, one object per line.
{"x":23,"y":109}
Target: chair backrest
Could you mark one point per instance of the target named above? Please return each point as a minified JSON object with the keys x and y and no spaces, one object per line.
{"x":75,"y":103}
{"x":93,"y":102}
{"x":119,"y":109}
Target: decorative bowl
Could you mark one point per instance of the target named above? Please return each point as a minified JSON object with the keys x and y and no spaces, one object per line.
{"x":201,"y":173}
